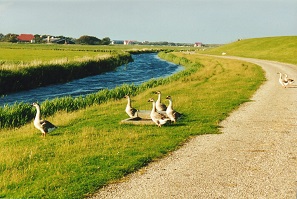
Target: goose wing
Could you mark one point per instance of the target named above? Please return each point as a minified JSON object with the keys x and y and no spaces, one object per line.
{"x":133,"y":111}
{"x":176,"y":114}
{"x":47,"y":126}
{"x":159,"y":116}
{"x":162,"y":107}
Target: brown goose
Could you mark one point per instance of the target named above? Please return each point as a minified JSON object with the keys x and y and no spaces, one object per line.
{"x":159,"y":105}
{"x":172,"y":114}
{"x":132,"y":112}
{"x":290,"y":81}
{"x":157,"y":118}
{"x":43,"y":125}
{"x":283,"y":82}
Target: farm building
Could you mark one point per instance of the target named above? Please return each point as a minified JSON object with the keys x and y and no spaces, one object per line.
{"x":197,"y":44}
{"x":128,"y":42}
{"x":26,"y":38}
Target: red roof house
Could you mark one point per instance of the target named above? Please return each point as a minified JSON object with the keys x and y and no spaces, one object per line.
{"x":26,"y":38}
{"x":197,"y":44}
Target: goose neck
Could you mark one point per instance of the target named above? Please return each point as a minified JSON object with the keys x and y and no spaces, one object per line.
{"x":37,"y":117}
{"x":129,"y":102}
{"x":154,"y":107}
{"x":159,"y":97}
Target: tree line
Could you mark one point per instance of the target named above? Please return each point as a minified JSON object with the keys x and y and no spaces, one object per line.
{"x":84,"y":40}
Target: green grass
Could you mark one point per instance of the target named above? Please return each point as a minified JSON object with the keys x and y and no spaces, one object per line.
{"x":283,"y":49}
{"x":15,"y":56}
{"x":90,"y":148}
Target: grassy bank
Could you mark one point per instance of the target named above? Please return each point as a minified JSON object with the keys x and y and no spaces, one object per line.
{"x":28,"y":77}
{"x":283,"y":49}
{"x":90,"y":148}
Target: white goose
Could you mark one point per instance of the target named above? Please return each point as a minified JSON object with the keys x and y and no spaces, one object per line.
{"x":43,"y":125}
{"x":157,"y":118}
{"x":132,"y":112}
{"x":159,"y":105}
{"x":171,"y":113}
{"x":283,"y":82}
{"x":290,"y":81}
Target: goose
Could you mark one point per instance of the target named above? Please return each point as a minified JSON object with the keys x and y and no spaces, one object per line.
{"x":132,"y":112}
{"x":43,"y":125}
{"x":172,"y":114}
{"x":283,"y":82}
{"x":290,"y":81}
{"x":159,"y":105}
{"x":157,"y":118}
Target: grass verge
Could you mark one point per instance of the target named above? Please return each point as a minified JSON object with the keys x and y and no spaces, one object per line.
{"x":90,"y":148}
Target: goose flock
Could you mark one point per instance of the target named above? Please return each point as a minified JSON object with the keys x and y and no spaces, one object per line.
{"x":284,"y":81}
{"x":157,"y":113}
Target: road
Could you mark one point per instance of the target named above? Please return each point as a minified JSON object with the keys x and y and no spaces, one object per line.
{"x":254,"y":157}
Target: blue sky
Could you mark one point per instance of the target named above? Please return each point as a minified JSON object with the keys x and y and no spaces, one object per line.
{"x":206,"y":21}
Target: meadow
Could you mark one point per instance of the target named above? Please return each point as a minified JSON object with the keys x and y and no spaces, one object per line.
{"x":91,"y":148}
{"x":14,"y":56}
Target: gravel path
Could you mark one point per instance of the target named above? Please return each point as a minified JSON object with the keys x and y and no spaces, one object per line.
{"x":254,"y":157}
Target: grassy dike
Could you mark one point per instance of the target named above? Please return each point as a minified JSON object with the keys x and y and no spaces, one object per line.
{"x":90,"y":148}
{"x":282,"y":49}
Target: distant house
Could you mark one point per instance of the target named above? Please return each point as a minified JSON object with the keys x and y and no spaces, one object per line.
{"x":197,"y":44}
{"x":26,"y":38}
{"x":128,"y":42}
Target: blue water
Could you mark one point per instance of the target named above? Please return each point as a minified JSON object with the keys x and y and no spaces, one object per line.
{"x":144,"y":67}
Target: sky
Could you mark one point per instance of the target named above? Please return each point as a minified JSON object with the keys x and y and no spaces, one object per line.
{"x":181,"y":21}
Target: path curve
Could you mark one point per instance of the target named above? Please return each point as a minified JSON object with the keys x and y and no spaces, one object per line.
{"x":254,"y":157}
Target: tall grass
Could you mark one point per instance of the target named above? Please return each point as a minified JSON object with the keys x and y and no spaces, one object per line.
{"x":90,"y":148}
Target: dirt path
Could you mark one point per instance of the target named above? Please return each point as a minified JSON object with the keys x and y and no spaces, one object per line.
{"x":254,"y":157}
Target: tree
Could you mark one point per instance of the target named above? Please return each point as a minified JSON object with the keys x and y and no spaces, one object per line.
{"x":88,"y":40}
{"x":1,"y":36}
{"x":38,"y":38}
{"x":10,"y":38}
{"x":105,"y":41}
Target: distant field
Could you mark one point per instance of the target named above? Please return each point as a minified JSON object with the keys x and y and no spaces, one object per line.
{"x":283,"y":49}
{"x":16,"y":53}
{"x":43,"y":52}
{"x":29,"y":55}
